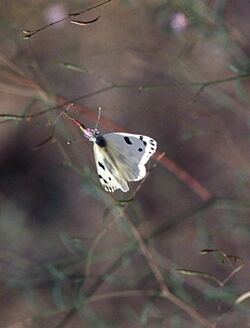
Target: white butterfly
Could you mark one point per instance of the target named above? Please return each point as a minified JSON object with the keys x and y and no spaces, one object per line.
{"x":120,"y":157}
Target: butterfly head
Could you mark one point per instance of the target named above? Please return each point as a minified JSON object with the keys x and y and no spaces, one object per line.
{"x":95,"y":136}
{"x":91,"y":134}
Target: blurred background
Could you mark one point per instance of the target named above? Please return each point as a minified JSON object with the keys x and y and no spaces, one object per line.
{"x":175,"y":70}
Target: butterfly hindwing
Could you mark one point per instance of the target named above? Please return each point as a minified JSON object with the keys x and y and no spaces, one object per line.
{"x":107,"y":171}
{"x":130,"y":153}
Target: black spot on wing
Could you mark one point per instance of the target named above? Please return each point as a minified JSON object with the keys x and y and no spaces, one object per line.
{"x":127,"y":140}
{"x":101,"y":165}
{"x":102,"y":179}
{"x":105,"y":184}
{"x":150,"y":147}
{"x":144,"y":142}
{"x":109,"y":188}
{"x":140,"y":149}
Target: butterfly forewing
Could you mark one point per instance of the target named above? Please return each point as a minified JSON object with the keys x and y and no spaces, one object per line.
{"x":108,"y":174}
{"x":130,"y":152}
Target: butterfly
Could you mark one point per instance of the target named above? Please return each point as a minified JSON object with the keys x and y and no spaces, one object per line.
{"x":119,"y":157}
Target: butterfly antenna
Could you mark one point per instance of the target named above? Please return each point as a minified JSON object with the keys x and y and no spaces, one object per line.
{"x":90,"y":134}
{"x":74,"y":120}
{"x":98,"y":118}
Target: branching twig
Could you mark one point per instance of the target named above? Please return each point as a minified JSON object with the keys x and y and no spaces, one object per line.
{"x":29,"y":34}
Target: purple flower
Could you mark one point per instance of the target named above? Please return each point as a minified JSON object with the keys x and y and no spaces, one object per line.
{"x":179,"y":22}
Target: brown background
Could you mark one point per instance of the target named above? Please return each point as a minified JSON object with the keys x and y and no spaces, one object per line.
{"x":51,"y":205}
